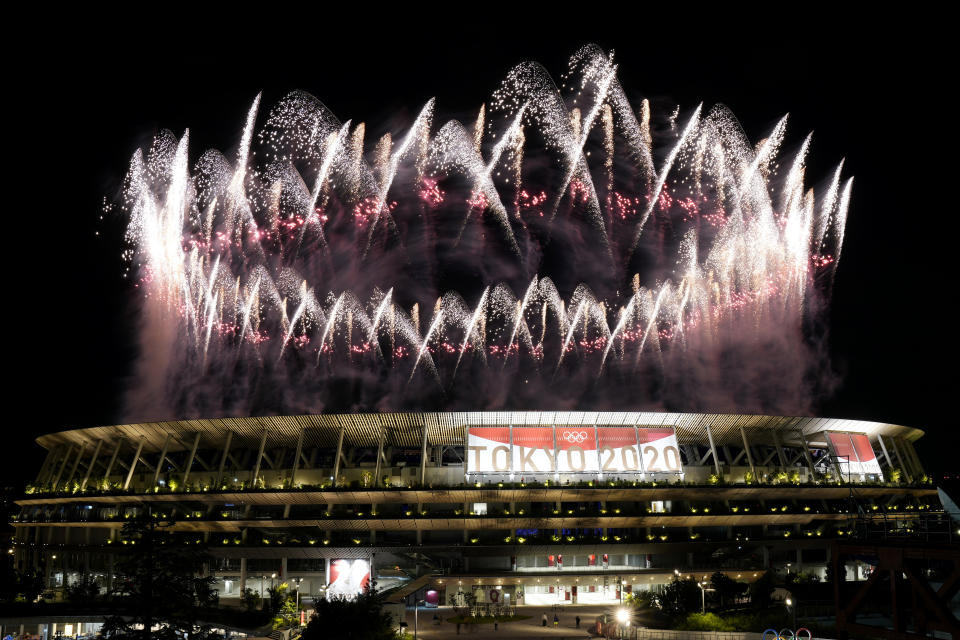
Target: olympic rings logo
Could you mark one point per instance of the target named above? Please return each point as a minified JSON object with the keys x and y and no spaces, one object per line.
{"x":782,"y":634}
{"x":575,"y":436}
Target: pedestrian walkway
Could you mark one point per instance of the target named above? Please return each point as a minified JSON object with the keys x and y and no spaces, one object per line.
{"x":528,"y":629}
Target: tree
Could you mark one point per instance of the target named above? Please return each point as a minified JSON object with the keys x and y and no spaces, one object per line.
{"x":19,"y":586}
{"x":250,"y":599}
{"x":360,"y":619}
{"x":84,"y":591}
{"x":680,"y":597}
{"x":159,"y":586}
{"x":726,"y":588}
{"x":761,"y":589}
{"x":283,"y":606}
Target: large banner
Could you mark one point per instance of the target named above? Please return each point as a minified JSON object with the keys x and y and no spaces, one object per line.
{"x":348,"y":578}
{"x":572,"y":449}
{"x":855,"y":453}
{"x":488,"y":450}
{"x":532,"y":450}
{"x":577,"y":450}
{"x":661,"y":454}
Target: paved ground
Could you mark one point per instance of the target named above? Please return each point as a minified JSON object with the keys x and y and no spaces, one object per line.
{"x":529,"y":629}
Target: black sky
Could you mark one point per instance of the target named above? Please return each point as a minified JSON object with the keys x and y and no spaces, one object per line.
{"x":82,"y":100}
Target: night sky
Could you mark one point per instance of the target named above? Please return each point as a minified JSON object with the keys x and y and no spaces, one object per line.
{"x":76,"y":117}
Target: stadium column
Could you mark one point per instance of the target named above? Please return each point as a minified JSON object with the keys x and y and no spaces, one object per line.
{"x":886,"y":454}
{"x":93,"y":461}
{"x":912,"y":453}
{"x":254,"y":476}
{"x":160,"y":460}
{"x":779,"y":444}
{"x":466,"y":453}
{"x":806,"y":451}
{"x":376,"y":474}
{"x":113,"y":459}
{"x":190,"y":458}
{"x":746,"y":450}
{"x":336,"y":463}
{"x":76,"y":465}
{"x":423,"y":458}
{"x":243,"y":575}
{"x":423,"y":478}
{"x":133,"y":464}
{"x":45,"y":468}
{"x":896,"y":451}
{"x":713,"y":451}
{"x":296,"y":457}
{"x":223,"y":460}
{"x":63,"y":466}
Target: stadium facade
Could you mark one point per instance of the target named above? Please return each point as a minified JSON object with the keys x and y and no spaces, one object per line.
{"x":514,"y":507}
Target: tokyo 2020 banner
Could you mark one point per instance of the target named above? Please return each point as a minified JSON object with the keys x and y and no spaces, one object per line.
{"x":573,"y":450}
{"x":348,"y":578}
{"x":854,"y":453}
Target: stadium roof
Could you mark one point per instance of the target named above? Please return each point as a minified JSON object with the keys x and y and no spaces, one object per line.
{"x":450,"y":428}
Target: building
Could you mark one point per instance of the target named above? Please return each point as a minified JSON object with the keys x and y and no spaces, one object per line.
{"x":515,"y":507}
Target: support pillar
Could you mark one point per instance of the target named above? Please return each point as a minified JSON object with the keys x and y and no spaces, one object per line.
{"x":377,"y":482}
{"x":423,"y":457}
{"x":76,"y":465}
{"x":190,"y":458}
{"x":912,"y":453}
{"x":713,"y":451}
{"x":336,"y":462}
{"x":63,"y":466}
{"x":746,"y":450}
{"x":223,"y":460}
{"x":906,"y":469}
{"x":256,"y":467}
{"x":133,"y":464}
{"x":93,"y":461}
{"x":113,"y":459}
{"x":779,"y":444}
{"x":160,"y":460}
{"x":45,"y":468}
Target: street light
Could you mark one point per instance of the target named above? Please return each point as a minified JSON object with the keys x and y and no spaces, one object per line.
{"x":298,"y":580}
{"x":416,"y":617}
{"x":623,"y":617}
{"x":703,"y":596}
{"x":793,"y":609}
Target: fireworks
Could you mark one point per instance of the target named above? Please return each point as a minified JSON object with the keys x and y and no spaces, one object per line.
{"x":312,"y":259}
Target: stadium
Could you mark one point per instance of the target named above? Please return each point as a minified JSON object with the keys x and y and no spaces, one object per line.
{"x":509,"y":507}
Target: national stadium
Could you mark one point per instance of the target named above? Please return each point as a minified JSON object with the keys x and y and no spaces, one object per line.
{"x":511,"y":507}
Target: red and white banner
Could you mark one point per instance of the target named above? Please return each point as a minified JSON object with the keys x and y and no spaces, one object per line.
{"x":488,"y":450}
{"x":348,"y":578}
{"x":572,"y":449}
{"x":855,"y":453}
{"x":532,"y":450}
{"x":618,"y":450}
{"x":577,"y":450}
{"x":659,"y":448}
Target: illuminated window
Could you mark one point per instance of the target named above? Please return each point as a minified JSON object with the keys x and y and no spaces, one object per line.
{"x":480,"y":508}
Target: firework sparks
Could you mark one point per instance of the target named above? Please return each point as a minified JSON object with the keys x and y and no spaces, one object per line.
{"x":731,"y":256}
